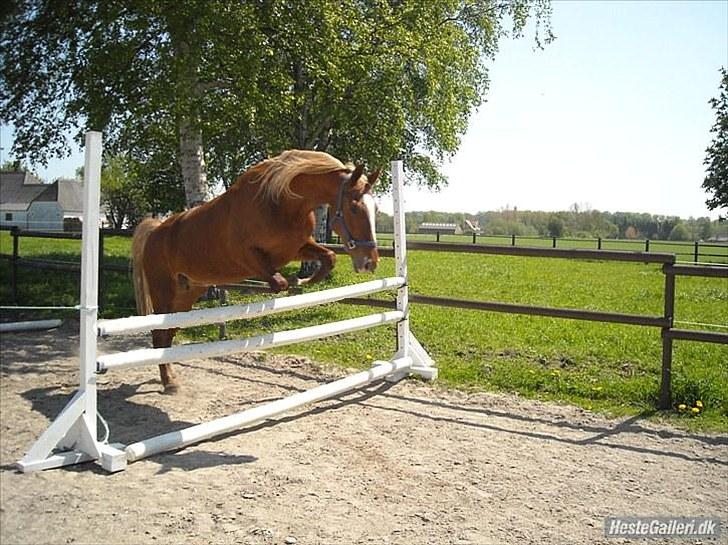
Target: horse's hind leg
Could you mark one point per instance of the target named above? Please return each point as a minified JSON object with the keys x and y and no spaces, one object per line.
{"x":175,"y":296}
{"x":162,"y":338}
{"x":162,"y":292}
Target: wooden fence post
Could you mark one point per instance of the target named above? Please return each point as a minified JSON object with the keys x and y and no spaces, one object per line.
{"x":599,"y":243}
{"x":222,"y":295}
{"x":14,"y":232}
{"x":697,"y":251}
{"x":647,"y":245}
{"x":665,"y":400}
{"x":513,"y":240}
{"x":554,"y":243}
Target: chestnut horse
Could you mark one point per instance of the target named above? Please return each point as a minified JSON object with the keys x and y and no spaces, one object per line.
{"x":260,"y":224}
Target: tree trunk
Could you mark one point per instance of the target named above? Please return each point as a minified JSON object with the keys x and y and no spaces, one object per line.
{"x":301,"y":138}
{"x":192,"y":163}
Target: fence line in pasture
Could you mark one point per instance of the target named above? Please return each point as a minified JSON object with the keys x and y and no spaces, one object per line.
{"x":671,"y":269}
{"x":693,"y":249}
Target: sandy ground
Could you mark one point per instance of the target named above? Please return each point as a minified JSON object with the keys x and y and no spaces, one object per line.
{"x":407,"y":463}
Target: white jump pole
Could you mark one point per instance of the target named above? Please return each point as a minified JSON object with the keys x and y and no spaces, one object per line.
{"x":72,"y":437}
{"x":33,"y":325}
{"x":136,"y":324}
{"x":407,"y":344}
{"x":185,"y":352}
{"x":213,"y":428}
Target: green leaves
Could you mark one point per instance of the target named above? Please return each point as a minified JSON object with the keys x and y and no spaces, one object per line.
{"x":366,"y":81}
{"x":716,"y":158}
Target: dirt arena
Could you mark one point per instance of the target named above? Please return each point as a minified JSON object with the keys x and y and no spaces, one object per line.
{"x":408,"y":463}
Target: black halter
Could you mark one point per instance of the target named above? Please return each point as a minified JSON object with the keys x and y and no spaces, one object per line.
{"x":351,"y":242}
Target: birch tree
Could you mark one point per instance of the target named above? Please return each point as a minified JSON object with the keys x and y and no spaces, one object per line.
{"x":213,"y":86}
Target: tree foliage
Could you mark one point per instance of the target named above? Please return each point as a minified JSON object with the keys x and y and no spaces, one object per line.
{"x":211,"y":86}
{"x":716,"y":159}
{"x":584,"y":224}
{"x":122,"y":196}
{"x":679,"y":232}
{"x":555,"y":226}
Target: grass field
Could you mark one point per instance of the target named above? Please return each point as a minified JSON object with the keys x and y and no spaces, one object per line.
{"x":611,"y":368}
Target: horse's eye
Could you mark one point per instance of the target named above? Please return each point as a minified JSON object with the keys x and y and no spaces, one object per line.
{"x":353,"y":209}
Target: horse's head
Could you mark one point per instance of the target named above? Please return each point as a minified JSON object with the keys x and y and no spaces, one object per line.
{"x":354,"y":217}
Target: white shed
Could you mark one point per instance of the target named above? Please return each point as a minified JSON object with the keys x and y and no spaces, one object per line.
{"x":28,"y":203}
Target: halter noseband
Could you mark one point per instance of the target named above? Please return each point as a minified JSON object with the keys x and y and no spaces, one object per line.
{"x":351,"y":242}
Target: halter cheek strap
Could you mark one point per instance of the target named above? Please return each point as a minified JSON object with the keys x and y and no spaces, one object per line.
{"x":350,"y":241}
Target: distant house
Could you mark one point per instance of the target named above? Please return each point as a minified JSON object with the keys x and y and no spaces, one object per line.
{"x":442,"y":228}
{"x":466,"y":228}
{"x":26,"y":202}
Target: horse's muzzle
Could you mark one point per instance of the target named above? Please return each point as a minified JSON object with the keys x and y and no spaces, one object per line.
{"x":365,"y":265}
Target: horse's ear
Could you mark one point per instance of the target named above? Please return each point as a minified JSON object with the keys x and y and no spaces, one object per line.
{"x":358,"y":171}
{"x":372,"y":178}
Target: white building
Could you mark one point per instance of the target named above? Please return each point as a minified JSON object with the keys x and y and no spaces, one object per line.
{"x":26,"y":202}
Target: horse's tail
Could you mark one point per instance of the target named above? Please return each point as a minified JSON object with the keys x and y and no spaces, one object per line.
{"x":141,"y":288}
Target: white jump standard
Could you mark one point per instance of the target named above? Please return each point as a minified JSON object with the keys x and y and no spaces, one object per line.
{"x":72,"y":437}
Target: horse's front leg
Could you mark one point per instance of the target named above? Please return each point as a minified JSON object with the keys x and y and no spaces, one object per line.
{"x":264,"y":270}
{"x":312,"y":251}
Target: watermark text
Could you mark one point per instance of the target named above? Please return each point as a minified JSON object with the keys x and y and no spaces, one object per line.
{"x":646,"y":527}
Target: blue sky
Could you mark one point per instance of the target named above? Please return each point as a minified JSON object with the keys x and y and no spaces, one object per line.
{"x":613,"y":114}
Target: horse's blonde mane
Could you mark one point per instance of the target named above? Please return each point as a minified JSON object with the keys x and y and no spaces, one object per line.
{"x":278,"y":172}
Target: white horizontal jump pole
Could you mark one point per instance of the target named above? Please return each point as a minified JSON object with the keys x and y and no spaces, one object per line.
{"x":149,"y":356}
{"x":213,"y":428}
{"x":33,"y":325}
{"x":136,"y":324}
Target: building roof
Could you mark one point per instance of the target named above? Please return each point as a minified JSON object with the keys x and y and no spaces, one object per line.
{"x":68,"y":193}
{"x":19,"y":189}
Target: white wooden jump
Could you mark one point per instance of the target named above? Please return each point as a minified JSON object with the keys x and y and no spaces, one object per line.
{"x":72,"y":436}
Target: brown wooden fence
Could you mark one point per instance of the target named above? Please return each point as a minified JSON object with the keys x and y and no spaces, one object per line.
{"x":694,"y":251}
{"x":665,"y":322}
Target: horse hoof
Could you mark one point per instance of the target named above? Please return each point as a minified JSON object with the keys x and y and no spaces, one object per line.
{"x":172,"y":388}
{"x":277,"y":283}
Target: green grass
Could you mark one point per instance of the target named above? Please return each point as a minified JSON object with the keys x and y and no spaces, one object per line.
{"x":604,"y":367}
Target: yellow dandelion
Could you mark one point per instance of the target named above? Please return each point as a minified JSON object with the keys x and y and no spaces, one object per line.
{"x":695,"y":410}
{"x":682,"y":407}
{"x":369,"y":357}
{"x":699,"y":404}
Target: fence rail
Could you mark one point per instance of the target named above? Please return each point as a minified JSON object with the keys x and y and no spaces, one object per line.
{"x":692,"y":249}
{"x":670,"y":269}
